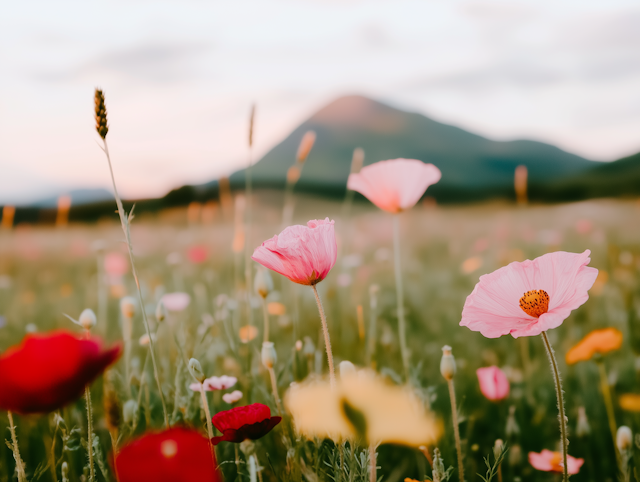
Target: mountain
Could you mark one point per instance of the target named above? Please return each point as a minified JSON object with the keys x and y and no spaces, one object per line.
{"x":610,"y":179}
{"x":473,"y":167}
{"x":79,"y":197}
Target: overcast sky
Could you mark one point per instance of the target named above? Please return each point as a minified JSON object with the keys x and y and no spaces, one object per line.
{"x":180,"y":76}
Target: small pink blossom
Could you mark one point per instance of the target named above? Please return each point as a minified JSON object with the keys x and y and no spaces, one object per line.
{"x":493,"y":383}
{"x":232,"y":397}
{"x":395,"y":185}
{"x":176,"y":301}
{"x":215,"y":383}
{"x":548,"y":461}
{"x":304,"y":254}
{"x":529,"y":297}
{"x":198,"y":254}
{"x":116,"y":264}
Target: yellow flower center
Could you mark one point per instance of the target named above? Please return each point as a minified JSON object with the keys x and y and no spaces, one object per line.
{"x":535,"y":303}
{"x":169,"y":448}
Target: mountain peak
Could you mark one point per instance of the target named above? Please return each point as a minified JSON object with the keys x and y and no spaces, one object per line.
{"x":356,"y":112}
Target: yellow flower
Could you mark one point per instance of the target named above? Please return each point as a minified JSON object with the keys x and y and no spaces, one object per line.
{"x":361,"y":405}
{"x":598,"y":341}
{"x":630,"y":402}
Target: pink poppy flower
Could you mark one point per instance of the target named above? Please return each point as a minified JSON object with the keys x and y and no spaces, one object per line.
{"x":549,"y":461}
{"x":493,"y":383}
{"x":527,"y":298}
{"x":176,"y":301}
{"x":304,"y":254}
{"x":395,"y":185}
{"x":198,"y":254}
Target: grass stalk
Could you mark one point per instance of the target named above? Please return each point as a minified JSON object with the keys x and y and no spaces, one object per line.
{"x":327,"y":341}
{"x":274,"y":388}
{"x":124,"y":221}
{"x":400,"y":297}
{"x":456,"y":429}
{"x":373,"y":463}
{"x":265,"y":313}
{"x":22,"y":477}
{"x":564,"y":441}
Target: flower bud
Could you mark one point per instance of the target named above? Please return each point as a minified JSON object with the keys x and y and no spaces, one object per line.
{"x":498,"y":446}
{"x":515,"y":455}
{"x":128,"y":306}
{"x":347,"y":369}
{"x":129,"y":411}
{"x":624,"y":438}
{"x":263,"y":282}
{"x":512,"y":429}
{"x":64,"y":471}
{"x":161,"y":312}
{"x":447,"y":363}
{"x":298,"y":345}
{"x":269,"y":355}
{"x":439,"y":472}
{"x":87,"y":319}
{"x":196,"y":370}
{"x":309,"y":348}
{"x":582,"y":428}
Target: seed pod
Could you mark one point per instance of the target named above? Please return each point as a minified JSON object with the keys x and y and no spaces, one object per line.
{"x":269,"y":355}
{"x":346,"y":369}
{"x":263,"y":283}
{"x":582,"y":428}
{"x":128,"y":307}
{"x":624,"y":438}
{"x":161,"y":312}
{"x":101,"y":114}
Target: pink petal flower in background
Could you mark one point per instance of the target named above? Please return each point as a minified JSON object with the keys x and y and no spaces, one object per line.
{"x":220,"y":383}
{"x":548,"y":461}
{"x":395,"y":185}
{"x":215,"y":383}
{"x":304,"y":254}
{"x":177,"y":301}
{"x":116,"y":264}
{"x":529,"y":297}
{"x":232,"y":397}
{"x":198,"y":254}
{"x":493,"y":383}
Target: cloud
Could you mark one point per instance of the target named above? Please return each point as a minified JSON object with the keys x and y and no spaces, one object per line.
{"x":158,"y":61}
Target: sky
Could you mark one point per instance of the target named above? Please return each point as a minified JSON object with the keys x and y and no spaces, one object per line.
{"x":180,"y":76}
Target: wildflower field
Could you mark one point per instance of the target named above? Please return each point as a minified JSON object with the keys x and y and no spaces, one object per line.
{"x":207,"y":304}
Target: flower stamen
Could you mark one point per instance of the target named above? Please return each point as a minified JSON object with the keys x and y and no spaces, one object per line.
{"x":535,"y":303}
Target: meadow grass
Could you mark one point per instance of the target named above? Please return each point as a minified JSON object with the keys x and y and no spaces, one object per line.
{"x":45,"y":272}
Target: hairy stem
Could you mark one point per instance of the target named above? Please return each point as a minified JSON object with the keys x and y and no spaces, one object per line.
{"x":92,"y":469}
{"x":124,"y":221}
{"x":373,"y":463}
{"x":327,"y":341}
{"x":274,"y":388}
{"x":400,"y":296}
{"x":456,"y":428}
{"x":561,"y":413}
{"x":22,"y":477}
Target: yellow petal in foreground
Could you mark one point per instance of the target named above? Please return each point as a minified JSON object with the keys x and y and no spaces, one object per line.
{"x":392,"y":414}
{"x":598,"y":341}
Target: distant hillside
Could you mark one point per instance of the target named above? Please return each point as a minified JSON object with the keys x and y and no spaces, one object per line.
{"x":78,"y":197}
{"x":472,"y":166}
{"x":611,"y":179}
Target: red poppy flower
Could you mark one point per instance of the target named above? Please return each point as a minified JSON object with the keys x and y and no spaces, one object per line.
{"x":175,"y":455}
{"x":45,"y":372}
{"x":241,"y":423}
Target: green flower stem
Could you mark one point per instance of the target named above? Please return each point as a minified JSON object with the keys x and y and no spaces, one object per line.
{"x":608,"y":403}
{"x":561,"y":412}
{"x":400,"y":297}
{"x":92,"y":469}
{"x":327,"y":341}
{"x":456,"y":428}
